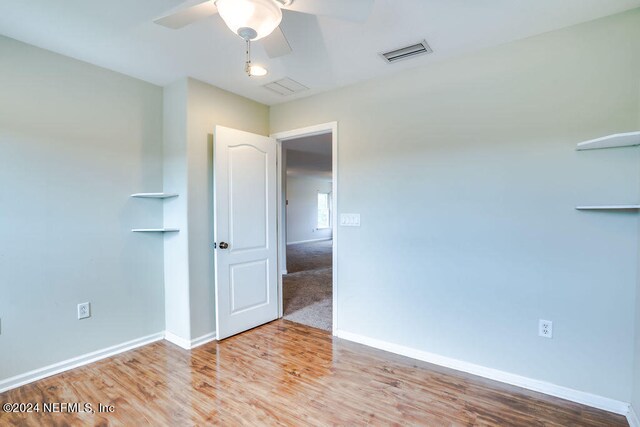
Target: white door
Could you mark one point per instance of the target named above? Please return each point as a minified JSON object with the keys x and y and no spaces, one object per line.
{"x":245,"y":230}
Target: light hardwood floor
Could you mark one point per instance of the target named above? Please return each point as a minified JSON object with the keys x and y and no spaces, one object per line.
{"x":284,"y":373}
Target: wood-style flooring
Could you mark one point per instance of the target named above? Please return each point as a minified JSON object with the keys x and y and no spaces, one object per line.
{"x":285,"y":373}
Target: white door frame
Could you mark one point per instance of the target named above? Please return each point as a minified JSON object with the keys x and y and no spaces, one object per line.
{"x":280,"y":137}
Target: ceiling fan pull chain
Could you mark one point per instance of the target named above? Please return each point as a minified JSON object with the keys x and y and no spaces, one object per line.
{"x":247,"y":66}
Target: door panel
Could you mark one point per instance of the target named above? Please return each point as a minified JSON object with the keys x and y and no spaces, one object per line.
{"x":248,"y":285}
{"x":245,"y":220}
{"x":247,"y":200}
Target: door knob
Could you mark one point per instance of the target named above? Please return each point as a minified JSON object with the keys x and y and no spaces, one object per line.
{"x":224,"y":245}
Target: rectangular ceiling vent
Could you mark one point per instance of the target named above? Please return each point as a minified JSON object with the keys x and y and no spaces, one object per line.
{"x":406,"y":52}
{"x":285,"y":87}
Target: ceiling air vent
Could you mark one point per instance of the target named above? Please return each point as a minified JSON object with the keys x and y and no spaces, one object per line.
{"x":285,"y":86}
{"x":406,"y":52}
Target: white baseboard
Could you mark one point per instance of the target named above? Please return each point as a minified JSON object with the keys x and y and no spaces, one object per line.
{"x":207,"y":338}
{"x":309,"y":241}
{"x":76,"y":362}
{"x":632,"y":417}
{"x":179,"y":341}
{"x":562,"y":392}
{"x":189,"y":344}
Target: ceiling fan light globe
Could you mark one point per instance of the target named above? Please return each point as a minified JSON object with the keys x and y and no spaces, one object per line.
{"x":261,"y":16}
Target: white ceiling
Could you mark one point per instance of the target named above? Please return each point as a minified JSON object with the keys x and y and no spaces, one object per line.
{"x":304,"y":163}
{"x":327,"y":53}
{"x":310,"y":155}
{"x":316,"y":144}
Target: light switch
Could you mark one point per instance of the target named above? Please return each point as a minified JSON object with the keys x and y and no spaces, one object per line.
{"x":350,"y":220}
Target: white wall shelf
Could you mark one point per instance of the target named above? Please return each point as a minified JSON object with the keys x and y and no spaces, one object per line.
{"x":609,"y":208}
{"x":154,"y":230}
{"x":154,"y":195}
{"x":628,"y":139}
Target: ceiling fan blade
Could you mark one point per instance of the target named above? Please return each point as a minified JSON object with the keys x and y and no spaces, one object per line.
{"x":188,"y":15}
{"x":350,"y":10}
{"x":276,"y":44}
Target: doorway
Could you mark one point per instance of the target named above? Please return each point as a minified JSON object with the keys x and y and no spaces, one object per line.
{"x":307,"y":220}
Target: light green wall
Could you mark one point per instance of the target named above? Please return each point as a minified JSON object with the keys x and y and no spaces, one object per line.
{"x":176,"y":245}
{"x":466,"y":176}
{"x":75,"y":141}
{"x":635,"y":401}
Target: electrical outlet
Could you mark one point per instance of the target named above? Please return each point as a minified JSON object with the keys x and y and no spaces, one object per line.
{"x":84,"y":310}
{"x":545,"y":328}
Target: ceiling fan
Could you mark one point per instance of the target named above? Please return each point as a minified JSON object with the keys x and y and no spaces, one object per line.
{"x":260,"y":19}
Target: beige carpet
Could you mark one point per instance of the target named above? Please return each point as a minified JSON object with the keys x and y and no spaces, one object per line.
{"x":307,"y":289}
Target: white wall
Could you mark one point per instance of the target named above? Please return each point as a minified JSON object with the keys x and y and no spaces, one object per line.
{"x":75,"y":142}
{"x":192,"y":110}
{"x":302,"y":210}
{"x":635,"y":400}
{"x":469,"y":167}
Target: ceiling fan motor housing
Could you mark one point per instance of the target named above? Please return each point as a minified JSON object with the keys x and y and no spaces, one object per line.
{"x":250,"y":19}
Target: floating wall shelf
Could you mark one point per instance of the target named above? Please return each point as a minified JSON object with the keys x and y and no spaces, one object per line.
{"x":628,"y":139}
{"x":154,"y":230}
{"x":154,"y":195}
{"x":609,"y":208}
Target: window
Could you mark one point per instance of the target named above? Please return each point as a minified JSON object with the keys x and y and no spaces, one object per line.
{"x":324,"y":210}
